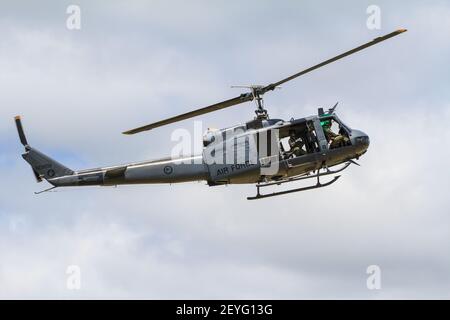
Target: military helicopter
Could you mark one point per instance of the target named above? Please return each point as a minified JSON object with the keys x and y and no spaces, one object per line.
{"x":254,"y":152}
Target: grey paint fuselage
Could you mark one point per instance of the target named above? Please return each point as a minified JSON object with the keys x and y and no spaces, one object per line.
{"x":196,"y":168}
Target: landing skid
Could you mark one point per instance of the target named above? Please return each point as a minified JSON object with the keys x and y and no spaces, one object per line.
{"x":297,"y":178}
{"x":318,"y":185}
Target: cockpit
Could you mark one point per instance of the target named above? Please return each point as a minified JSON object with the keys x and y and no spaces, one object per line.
{"x":336,"y":132}
{"x":313,"y":134}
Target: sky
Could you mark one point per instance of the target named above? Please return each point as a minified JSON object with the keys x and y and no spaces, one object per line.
{"x":136,"y":62}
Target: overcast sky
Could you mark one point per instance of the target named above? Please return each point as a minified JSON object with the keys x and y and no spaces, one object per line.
{"x":135,"y":62}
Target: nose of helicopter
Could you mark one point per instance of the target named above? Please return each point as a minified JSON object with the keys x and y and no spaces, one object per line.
{"x":360,"y":139}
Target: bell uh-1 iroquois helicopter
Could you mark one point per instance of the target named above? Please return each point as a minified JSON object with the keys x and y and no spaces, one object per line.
{"x":313,"y":148}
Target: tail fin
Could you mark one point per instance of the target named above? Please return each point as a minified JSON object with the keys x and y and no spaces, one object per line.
{"x":42,"y":165}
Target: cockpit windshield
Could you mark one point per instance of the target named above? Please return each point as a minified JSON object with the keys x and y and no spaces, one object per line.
{"x":336,"y":122}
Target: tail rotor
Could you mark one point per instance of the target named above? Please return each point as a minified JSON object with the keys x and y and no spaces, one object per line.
{"x":23,"y":140}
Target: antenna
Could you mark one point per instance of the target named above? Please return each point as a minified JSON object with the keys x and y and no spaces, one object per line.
{"x":331,"y":110}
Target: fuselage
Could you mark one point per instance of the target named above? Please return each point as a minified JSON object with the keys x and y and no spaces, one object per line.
{"x":244,"y":162}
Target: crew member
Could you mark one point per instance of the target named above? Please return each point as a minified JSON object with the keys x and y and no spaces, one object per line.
{"x":296,"y":144}
{"x":335,"y":140}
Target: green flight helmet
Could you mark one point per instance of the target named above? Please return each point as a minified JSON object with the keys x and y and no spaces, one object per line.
{"x":325,"y":122}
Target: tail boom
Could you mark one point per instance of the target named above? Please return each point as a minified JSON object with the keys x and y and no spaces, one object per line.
{"x":156,"y":171}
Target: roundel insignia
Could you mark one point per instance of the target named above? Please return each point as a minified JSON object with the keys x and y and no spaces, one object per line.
{"x":51,"y":173}
{"x":168,"y":169}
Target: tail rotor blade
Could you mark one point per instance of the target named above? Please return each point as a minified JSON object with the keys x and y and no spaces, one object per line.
{"x":22,"y":137}
{"x":23,"y":140}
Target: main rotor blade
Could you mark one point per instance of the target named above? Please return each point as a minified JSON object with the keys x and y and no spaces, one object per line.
{"x":217,"y":106}
{"x":260,"y":91}
{"x":366,"y":45}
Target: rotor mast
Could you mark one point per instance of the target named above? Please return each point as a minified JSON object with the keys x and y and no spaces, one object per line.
{"x":261,"y":113}
{"x":257,"y":95}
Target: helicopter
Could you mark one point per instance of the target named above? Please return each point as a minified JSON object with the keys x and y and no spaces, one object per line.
{"x":265,"y":152}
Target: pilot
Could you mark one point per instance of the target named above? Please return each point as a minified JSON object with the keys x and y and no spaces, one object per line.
{"x":296,"y":144}
{"x":329,"y":134}
{"x":335,"y":140}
